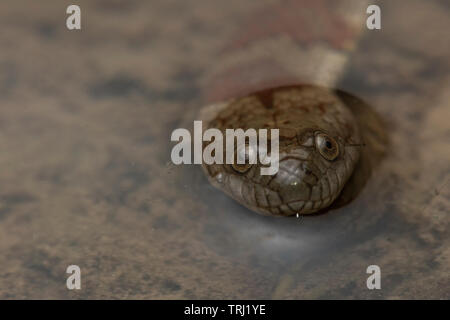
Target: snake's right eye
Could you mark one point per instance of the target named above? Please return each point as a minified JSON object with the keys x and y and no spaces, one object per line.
{"x":241,"y":168}
{"x":242,"y":160}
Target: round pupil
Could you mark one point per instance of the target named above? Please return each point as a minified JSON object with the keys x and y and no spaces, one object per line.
{"x":328,"y":144}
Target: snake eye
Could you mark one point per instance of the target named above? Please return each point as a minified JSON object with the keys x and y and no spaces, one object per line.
{"x":243,"y":159}
{"x":327,"y":146}
{"x":241,"y":168}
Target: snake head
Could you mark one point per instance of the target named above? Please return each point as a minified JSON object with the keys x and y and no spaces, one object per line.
{"x":318,"y":138}
{"x":310,"y":176}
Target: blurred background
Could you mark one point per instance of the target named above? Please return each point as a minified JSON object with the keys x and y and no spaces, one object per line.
{"x":85,"y":123}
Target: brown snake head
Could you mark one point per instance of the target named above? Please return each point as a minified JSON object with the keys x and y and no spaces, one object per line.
{"x":318,"y":148}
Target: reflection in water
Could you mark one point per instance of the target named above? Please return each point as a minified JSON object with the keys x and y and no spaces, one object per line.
{"x":373,"y":147}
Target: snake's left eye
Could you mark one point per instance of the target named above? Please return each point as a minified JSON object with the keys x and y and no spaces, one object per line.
{"x":327,"y":146}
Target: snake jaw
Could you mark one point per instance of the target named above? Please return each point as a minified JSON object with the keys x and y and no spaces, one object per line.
{"x":304,"y":184}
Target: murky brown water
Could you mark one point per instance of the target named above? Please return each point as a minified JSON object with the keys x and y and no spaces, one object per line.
{"x":85,"y":123}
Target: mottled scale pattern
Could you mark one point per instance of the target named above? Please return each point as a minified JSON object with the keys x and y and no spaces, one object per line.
{"x":306,"y":182}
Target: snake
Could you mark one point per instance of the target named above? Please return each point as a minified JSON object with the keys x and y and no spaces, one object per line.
{"x":319,"y":139}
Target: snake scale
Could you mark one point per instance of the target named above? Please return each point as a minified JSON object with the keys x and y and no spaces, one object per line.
{"x":319,"y":141}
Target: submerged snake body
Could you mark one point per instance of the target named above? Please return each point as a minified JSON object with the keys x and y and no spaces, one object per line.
{"x":317,"y":138}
